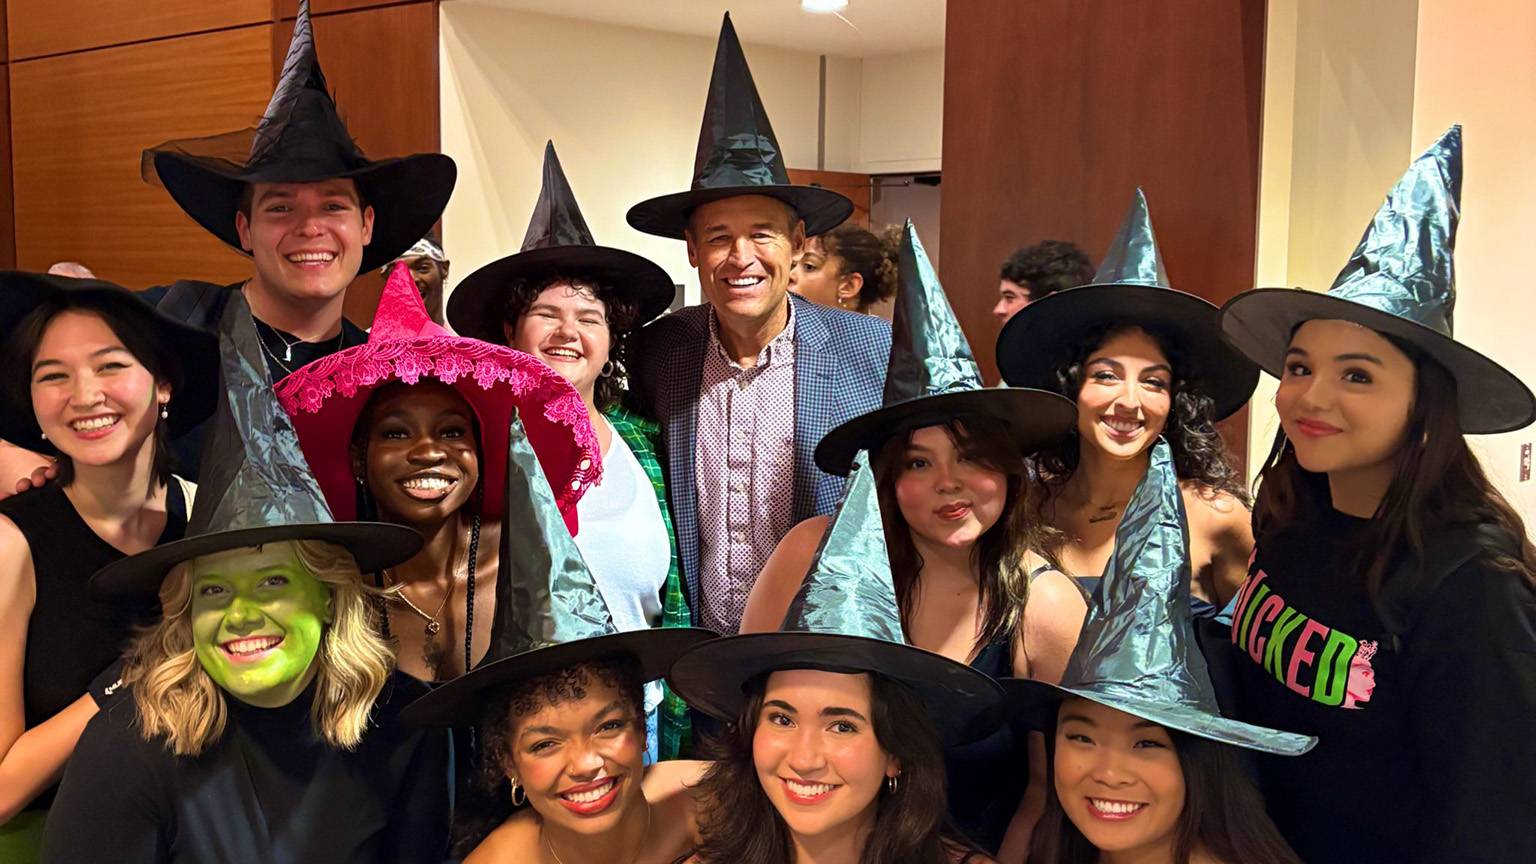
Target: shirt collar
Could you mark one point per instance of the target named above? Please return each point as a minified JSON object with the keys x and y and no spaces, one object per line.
{"x":780,"y":348}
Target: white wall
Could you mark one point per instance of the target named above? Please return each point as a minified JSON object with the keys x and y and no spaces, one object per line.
{"x":623,"y":107}
{"x":902,"y":116}
{"x":1478,"y":68}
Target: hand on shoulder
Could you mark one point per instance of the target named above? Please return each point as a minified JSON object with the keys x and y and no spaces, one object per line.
{"x":22,"y":469}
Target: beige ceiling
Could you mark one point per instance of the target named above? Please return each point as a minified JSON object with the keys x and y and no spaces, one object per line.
{"x":882,"y":26}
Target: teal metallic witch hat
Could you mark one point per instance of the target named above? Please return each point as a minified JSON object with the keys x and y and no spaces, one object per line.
{"x":1399,"y":281}
{"x":844,"y":618}
{"x":558,"y":244}
{"x":932,"y":377}
{"x":1130,"y":287}
{"x":738,"y":154}
{"x":1137,"y":652}
{"x":550,"y":613}
{"x":256,"y":487}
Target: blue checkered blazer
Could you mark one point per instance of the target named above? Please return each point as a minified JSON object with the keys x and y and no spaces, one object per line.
{"x":840,"y":362}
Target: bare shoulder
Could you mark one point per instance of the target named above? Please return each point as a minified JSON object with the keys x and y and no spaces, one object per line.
{"x":16,"y":576}
{"x":666,"y":779}
{"x":782,"y":574}
{"x":1051,"y":594}
{"x":516,"y":839}
{"x":1214,"y":508}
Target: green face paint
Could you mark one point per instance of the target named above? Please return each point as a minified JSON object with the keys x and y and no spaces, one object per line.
{"x":258,"y":616}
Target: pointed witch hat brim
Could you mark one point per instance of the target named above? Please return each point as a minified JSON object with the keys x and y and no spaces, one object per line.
{"x":964,"y":704}
{"x":1048,"y":334}
{"x":325,"y":399}
{"x":463,"y":701}
{"x":192,"y":401}
{"x":1035,"y":419}
{"x":932,"y":377}
{"x":407,"y":194}
{"x":1489,"y":397}
{"x":668,"y":215}
{"x":558,"y":243}
{"x":738,"y":154}
{"x":478,"y":305}
{"x":1035,"y":704}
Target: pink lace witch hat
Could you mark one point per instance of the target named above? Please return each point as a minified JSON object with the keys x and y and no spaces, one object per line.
{"x":325,"y":399}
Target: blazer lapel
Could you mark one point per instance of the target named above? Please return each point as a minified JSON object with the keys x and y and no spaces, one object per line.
{"x":815,"y":374}
{"x":680,"y":418}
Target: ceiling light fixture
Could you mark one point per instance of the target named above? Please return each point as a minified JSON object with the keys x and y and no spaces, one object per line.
{"x":823,"y":7}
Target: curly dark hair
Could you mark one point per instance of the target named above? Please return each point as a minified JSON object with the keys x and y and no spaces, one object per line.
{"x":998,"y":553}
{"x":1437,"y":484}
{"x":620,"y":310}
{"x":620,"y":672}
{"x":739,"y":825}
{"x":872,"y":256}
{"x":1199,"y":454}
{"x":1048,"y":267}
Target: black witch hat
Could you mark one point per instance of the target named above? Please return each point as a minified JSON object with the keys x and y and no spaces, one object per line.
{"x":1130,"y":286}
{"x":259,"y":490}
{"x":193,"y":397}
{"x":550,"y":613}
{"x":558,"y":242}
{"x":738,"y":155}
{"x":1400,"y":281}
{"x":843,"y":619}
{"x":301,"y":139}
{"x":1137,"y":652}
{"x":932,"y":377}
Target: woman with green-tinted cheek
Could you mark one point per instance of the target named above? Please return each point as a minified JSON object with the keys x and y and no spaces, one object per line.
{"x":262,"y":698}
{"x":258,"y":623}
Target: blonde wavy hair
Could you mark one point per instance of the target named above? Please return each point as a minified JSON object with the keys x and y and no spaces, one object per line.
{"x":177,"y":699}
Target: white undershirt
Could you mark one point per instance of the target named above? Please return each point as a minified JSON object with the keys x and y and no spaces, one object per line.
{"x":624,"y":541}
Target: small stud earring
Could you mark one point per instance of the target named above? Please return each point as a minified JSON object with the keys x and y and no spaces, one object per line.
{"x":43,"y":435}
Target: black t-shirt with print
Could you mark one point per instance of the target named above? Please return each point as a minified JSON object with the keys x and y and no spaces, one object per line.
{"x":1426,"y":747}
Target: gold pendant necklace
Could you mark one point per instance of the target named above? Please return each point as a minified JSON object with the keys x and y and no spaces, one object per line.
{"x":432,"y":651}
{"x":638,"y":846}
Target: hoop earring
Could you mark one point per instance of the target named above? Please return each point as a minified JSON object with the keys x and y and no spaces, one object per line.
{"x":518,"y":802}
{"x":893,"y":783}
{"x":607,"y":370}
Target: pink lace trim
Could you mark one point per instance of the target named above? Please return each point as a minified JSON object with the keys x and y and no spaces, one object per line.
{"x":449,"y":359}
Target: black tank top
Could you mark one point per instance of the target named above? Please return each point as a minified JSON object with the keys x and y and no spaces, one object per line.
{"x":73,"y":636}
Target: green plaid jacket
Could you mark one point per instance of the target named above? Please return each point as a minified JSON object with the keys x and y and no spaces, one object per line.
{"x":673,"y":732}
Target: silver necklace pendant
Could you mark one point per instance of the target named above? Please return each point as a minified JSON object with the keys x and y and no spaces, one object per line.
{"x":287,"y":352}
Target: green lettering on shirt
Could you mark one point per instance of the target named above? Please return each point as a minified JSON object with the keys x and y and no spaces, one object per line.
{"x":1333,"y":668}
{"x":1275,"y":653}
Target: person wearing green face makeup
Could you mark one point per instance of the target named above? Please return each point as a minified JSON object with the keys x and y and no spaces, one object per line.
{"x":258,"y":617}
{"x":258,"y":720}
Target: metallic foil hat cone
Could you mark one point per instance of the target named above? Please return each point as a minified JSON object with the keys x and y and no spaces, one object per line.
{"x":255,"y":486}
{"x":738,"y":154}
{"x":932,"y":377}
{"x":1399,"y":281}
{"x":1137,"y":652}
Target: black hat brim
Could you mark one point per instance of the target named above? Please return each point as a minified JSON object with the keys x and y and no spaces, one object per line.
{"x":1035,"y":417}
{"x":374,"y":545}
{"x":963,"y":704}
{"x":1489,"y":398}
{"x":1048,"y":333}
{"x":462,"y":701}
{"x":198,"y":350}
{"x":667,"y":216}
{"x":407,"y":195}
{"x":1035,"y":704}
{"x":477,"y":306}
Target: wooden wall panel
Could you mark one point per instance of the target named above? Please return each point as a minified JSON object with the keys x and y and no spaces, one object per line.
{"x":7,"y":213}
{"x":1055,"y":110}
{"x":289,"y":9}
{"x":382,"y":67}
{"x":43,"y":27}
{"x":80,"y":123}
{"x":856,"y":187}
